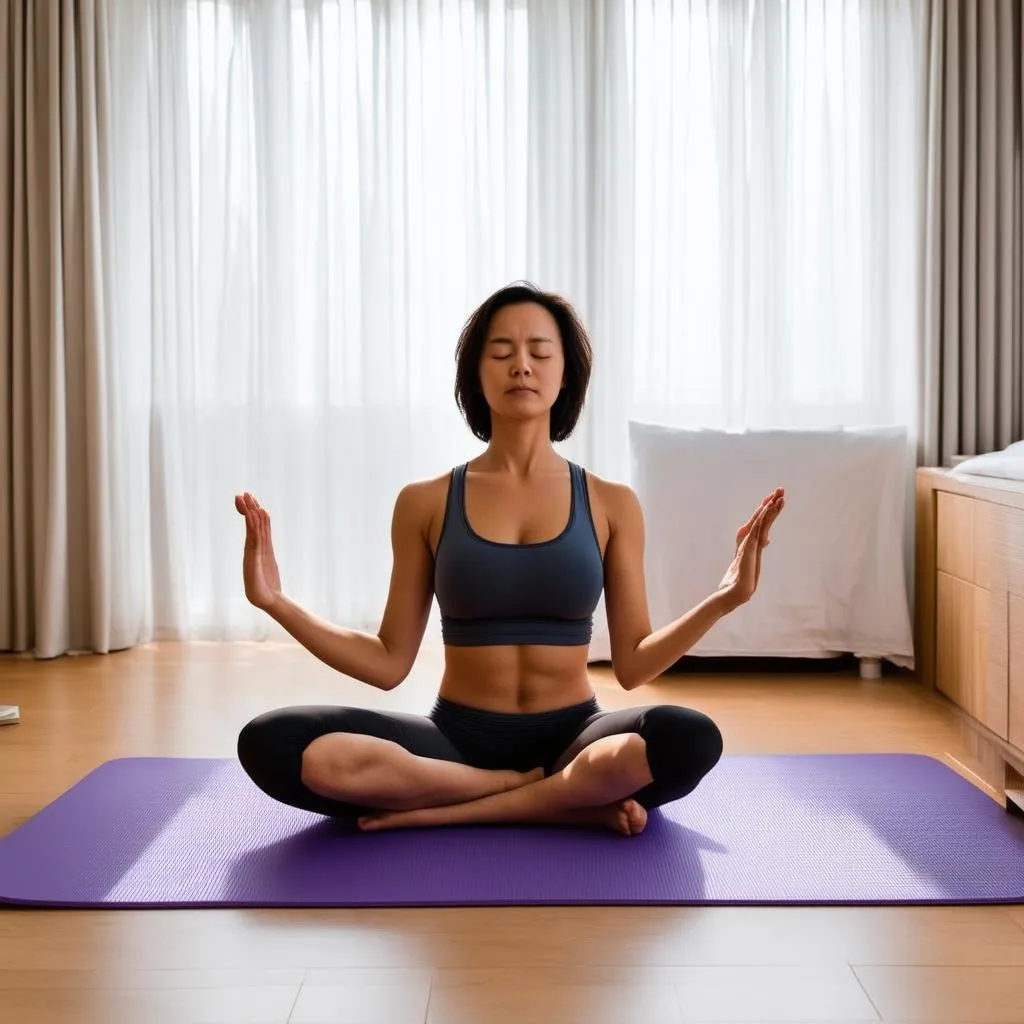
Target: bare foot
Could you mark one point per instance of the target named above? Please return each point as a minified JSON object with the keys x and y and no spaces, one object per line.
{"x":626,"y":817}
{"x":383,"y":821}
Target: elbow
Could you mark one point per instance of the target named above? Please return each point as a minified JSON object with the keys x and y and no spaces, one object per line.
{"x":627,"y":677}
{"x":629,"y":669}
{"x":392,"y":680}
{"x":392,"y":672}
{"x":630,"y":682}
{"x":383,"y":677}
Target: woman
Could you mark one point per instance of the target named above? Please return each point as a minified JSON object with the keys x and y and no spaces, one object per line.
{"x":517,"y":545}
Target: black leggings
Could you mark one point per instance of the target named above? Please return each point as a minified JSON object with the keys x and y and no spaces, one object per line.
{"x":682,"y":745}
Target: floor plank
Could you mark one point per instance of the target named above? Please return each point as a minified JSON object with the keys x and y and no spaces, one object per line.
{"x":986,"y":995}
{"x":525,"y":964}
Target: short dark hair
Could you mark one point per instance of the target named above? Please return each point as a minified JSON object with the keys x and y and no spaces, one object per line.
{"x":579,"y":359}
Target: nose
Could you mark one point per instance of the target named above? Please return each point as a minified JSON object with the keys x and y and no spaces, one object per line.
{"x":521,"y":365}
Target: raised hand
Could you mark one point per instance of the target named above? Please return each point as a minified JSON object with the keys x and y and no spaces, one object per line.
{"x":259,"y":566}
{"x":741,"y":578}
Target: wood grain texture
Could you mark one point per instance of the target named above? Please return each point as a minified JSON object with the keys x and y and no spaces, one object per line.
{"x":547,"y":964}
{"x":954,"y":536}
{"x":970,"y":546}
{"x":925,"y":578}
{"x":971,"y":651}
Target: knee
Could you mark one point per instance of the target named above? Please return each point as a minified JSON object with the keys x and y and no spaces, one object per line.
{"x":320,"y":760}
{"x":259,"y":744}
{"x":680,"y":741}
{"x":334,"y":759}
{"x":621,"y":756}
{"x":273,"y":748}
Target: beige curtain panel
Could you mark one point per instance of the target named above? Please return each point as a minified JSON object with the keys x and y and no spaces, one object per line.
{"x":58,"y":536}
{"x":971,"y":365}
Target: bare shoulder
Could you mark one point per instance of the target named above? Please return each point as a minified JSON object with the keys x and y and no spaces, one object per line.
{"x":615,"y":500}
{"x":421,"y":503}
{"x":420,"y":492}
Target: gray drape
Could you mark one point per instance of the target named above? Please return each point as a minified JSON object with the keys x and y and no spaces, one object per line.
{"x":970,"y":394}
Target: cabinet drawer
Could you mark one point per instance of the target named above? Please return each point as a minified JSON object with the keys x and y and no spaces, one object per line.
{"x":1015,"y":733}
{"x":971,"y":650}
{"x":1012,"y":548}
{"x":969,"y":535}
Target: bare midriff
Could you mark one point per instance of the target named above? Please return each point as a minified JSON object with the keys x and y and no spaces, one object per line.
{"x":516,"y":679}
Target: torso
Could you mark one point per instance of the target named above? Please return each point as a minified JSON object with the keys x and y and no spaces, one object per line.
{"x":517,"y":678}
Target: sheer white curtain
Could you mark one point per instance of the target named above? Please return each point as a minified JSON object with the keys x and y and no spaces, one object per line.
{"x":778,"y":154}
{"x":310,"y":197}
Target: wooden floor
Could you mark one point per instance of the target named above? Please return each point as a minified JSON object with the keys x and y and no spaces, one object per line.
{"x":636,"y":965}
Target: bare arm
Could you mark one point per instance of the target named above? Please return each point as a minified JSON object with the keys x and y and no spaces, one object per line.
{"x":383,"y":659}
{"x":638,"y":654}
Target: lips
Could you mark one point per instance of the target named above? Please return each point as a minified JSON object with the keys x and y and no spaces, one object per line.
{"x":517,"y":391}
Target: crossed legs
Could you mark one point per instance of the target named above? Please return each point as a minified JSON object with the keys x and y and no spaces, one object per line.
{"x":388,"y":770}
{"x":591,"y":789}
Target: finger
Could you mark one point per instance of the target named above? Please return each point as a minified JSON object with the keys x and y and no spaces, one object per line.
{"x":746,"y":527}
{"x":240,"y":503}
{"x":770,"y":521}
{"x":754,"y":515}
{"x":750,"y":538}
{"x":760,"y":518}
{"x":762,"y":526}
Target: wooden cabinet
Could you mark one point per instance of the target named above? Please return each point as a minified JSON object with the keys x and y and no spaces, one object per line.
{"x":1015,"y":730}
{"x":969,"y":669}
{"x":970,"y":602}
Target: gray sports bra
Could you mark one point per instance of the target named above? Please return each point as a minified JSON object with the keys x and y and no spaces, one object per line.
{"x":494,"y":593}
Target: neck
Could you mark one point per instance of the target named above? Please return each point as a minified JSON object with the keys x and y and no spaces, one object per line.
{"x":520,"y":449}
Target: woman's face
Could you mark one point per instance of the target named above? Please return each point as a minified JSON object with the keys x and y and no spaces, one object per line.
{"x":522,"y":365}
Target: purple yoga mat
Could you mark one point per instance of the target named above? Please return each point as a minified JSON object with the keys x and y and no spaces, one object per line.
{"x":807,"y":829}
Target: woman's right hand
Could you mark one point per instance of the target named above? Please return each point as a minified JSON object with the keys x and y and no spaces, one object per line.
{"x":259,"y":566}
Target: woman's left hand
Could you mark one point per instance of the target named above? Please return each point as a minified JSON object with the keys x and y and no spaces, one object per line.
{"x":741,"y":578}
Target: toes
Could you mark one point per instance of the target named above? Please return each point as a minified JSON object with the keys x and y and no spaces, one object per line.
{"x":635,"y":818}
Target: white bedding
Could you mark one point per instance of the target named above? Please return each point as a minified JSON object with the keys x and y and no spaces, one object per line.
{"x":834,"y":578}
{"x":1005,"y":464}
